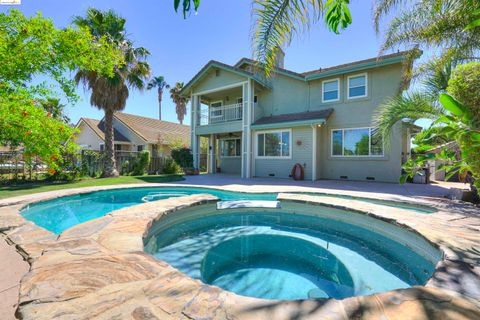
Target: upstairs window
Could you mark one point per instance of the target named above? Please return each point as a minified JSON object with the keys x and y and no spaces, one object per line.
{"x":331,"y":90}
{"x":357,"y":86}
{"x":359,"y":142}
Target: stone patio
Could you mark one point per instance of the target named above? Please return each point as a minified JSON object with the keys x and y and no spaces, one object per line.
{"x":98,"y":269}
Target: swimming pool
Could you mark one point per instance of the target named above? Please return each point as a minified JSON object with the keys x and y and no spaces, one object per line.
{"x":62,"y":213}
{"x":297,"y":252}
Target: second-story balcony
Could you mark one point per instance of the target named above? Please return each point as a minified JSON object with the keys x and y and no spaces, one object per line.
{"x":220,"y":114}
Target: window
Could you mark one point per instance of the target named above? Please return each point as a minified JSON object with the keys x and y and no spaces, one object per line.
{"x":357,"y":86}
{"x":230,"y":148}
{"x":102,"y":147}
{"x":118,"y":147}
{"x":330,"y":90}
{"x":139,"y":148}
{"x":239,"y":100}
{"x":361,"y":142}
{"x":274,"y":144}
{"x":216,"y":111}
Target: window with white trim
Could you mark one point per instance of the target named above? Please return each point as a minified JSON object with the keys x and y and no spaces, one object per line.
{"x":230,"y":147}
{"x":358,"y":142}
{"x":274,"y":144}
{"x":357,"y":86}
{"x":331,"y":90}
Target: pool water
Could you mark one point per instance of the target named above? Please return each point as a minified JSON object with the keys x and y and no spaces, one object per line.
{"x":62,"y":213}
{"x":286,"y":255}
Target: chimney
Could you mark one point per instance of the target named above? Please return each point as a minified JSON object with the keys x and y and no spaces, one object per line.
{"x":279,"y":58}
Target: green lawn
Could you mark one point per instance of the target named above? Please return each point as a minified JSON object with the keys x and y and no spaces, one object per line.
{"x":19,"y":189}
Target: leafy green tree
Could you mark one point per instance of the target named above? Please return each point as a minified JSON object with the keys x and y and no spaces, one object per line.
{"x":459,"y":123}
{"x":179,"y":100}
{"x":159,"y":83}
{"x":30,"y":47}
{"x":110,"y":93}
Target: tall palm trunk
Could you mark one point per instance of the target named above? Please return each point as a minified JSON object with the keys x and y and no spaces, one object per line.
{"x":110,"y":169}
{"x":160,"y":92}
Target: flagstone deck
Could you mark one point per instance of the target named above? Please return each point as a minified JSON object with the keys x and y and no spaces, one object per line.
{"x":98,"y":269}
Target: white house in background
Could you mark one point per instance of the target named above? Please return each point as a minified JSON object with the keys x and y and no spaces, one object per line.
{"x":133,"y":133}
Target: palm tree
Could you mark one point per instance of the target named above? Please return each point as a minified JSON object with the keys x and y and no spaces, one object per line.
{"x":411,"y":106}
{"x":431,"y":24}
{"x":55,"y":109}
{"x":180,"y":101}
{"x":160,"y":84}
{"x":110,"y":94}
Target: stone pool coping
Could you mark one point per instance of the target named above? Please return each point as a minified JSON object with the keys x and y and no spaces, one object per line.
{"x":98,"y":269}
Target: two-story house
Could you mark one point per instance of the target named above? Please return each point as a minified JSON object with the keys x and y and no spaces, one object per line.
{"x":321,"y":119}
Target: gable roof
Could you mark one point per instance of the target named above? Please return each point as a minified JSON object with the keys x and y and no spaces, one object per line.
{"x":154,"y":130}
{"x":98,"y":127}
{"x":216,"y":64}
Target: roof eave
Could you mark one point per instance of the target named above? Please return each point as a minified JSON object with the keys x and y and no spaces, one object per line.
{"x":186,"y":91}
{"x":356,"y":67}
{"x":290,"y":124}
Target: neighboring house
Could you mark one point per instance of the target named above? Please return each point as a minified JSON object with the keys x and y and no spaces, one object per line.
{"x":320,"y":119}
{"x":133,"y":133}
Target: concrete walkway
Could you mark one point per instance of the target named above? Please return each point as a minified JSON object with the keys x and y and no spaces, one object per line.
{"x":435,"y":190}
{"x":12,"y":269}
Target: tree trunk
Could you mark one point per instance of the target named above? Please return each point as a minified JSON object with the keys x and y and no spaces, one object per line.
{"x":160,"y":92}
{"x":109,"y":168}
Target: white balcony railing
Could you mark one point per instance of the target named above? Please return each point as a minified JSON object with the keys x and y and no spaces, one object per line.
{"x":221,"y":114}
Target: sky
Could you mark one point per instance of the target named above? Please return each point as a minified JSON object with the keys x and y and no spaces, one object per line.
{"x":221,"y":30}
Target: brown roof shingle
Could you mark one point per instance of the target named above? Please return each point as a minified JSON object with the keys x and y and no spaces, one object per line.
{"x":153,"y":130}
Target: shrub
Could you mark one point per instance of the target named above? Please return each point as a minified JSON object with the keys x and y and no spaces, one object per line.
{"x":183,"y":156}
{"x":171,"y":167}
{"x":464,"y":86}
{"x":141,"y":164}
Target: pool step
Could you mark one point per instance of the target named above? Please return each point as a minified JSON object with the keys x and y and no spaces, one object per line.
{"x":221,"y":205}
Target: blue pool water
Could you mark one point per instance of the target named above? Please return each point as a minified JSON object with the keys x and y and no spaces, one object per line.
{"x":62,"y":213}
{"x":273,"y":254}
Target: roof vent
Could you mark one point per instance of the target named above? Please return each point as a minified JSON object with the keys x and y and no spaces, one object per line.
{"x":217,"y":72}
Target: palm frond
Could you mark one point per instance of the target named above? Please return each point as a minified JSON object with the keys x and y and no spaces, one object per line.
{"x":276,"y":21}
{"x":382,"y":8}
{"x":407,"y":107}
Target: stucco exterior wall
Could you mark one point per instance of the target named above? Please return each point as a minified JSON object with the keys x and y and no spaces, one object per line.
{"x":88,"y":138}
{"x":212,"y":81}
{"x":301,"y":153}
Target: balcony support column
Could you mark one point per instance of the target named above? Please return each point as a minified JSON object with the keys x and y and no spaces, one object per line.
{"x":247,"y":89}
{"x":195,"y":139}
{"x":212,"y":147}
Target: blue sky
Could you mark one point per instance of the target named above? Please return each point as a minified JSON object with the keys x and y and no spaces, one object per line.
{"x":220,"y":30}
